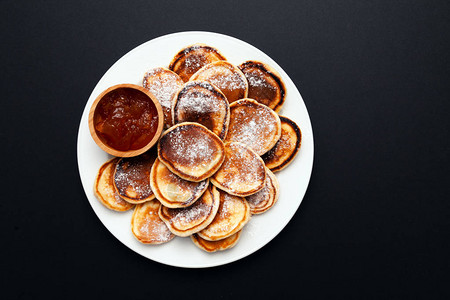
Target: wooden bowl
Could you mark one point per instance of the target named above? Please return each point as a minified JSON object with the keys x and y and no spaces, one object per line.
{"x":102,"y":142}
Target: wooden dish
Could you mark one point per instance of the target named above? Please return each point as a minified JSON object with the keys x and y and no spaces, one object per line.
{"x":102,"y":142}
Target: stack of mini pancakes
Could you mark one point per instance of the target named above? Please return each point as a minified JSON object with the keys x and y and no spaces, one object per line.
{"x":214,"y":165}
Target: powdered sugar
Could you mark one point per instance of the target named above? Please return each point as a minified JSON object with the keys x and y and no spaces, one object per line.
{"x":189,"y":145}
{"x":163,"y":87}
{"x":223,"y":75}
{"x":255,"y":79}
{"x":241,"y":168}
{"x":118,"y":200}
{"x":193,"y":149}
{"x":127,"y":184}
{"x":202,"y":103}
{"x":194,"y":62}
{"x":255,"y":127}
{"x":226,"y":77}
{"x":260,"y":198}
{"x":227,"y":218}
{"x":198,"y":103}
{"x":192,"y":215}
{"x":132,"y":177}
{"x":284,"y":145}
{"x":229,"y":206}
{"x":153,"y":228}
{"x":228,"y":81}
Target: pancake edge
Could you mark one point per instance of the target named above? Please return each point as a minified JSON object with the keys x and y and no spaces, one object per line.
{"x":272,"y":73}
{"x":240,"y":225}
{"x":196,"y":240}
{"x":183,"y":51}
{"x":97,"y":181}
{"x":298,"y":145}
{"x":198,"y":227}
{"x":165,"y":201}
{"x":135,"y":212}
{"x":276,"y":187}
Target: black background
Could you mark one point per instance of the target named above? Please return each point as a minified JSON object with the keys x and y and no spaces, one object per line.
{"x":375,"y":78}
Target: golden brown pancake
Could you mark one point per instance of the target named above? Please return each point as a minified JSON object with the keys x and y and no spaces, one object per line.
{"x":203,"y":103}
{"x":226,"y":76}
{"x":242,"y":172}
{"x":192,"y":219}
{"x":286,"y":148}
{"x":163,"y":84}
{"x":104,"y":188}
{"x":191,"y":151}
{"x":233,"y":214}
{"x":253,"y":124}
{"x":264,"y":84}
{"x":190,"y":59}
{"x":213,"y":246}
{"x":265,"y":198}
{"x":132,"y":177}
{"x":146,"y":225}
{"x":173,"y":191}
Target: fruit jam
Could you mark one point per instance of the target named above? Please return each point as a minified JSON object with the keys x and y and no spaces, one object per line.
{"x":126,"y":119}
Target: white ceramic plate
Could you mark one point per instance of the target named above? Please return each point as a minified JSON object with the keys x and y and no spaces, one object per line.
{"x":262,"y":228}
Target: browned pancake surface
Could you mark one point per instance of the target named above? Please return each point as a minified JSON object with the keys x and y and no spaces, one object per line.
{"x":147,"y":226}
{"x":227,"y":77}
{"x":286,"y":148}
{"x":189,"y":220}
{"x":132,"y":177}
{"x":265,"y":198}
{"x":242,"y":172}
{"x":190,"y":59}
{"x":104,"y":188}
{"x":232,"y":215}
{"x":264,"y":84}
{"x":163,"y":84}
{"x":191,"y":151}
{"x":173,"y":191}
{"x":213,"y":246}
{"x":253,"y":124}
{"x":202,"y":103}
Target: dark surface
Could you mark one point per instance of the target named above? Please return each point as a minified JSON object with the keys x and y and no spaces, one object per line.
{"x":375,"y":220}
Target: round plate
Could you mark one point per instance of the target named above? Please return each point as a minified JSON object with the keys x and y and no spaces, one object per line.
{"x":262,"y":228}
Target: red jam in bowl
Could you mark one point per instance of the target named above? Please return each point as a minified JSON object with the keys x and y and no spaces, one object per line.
{"x":126,"y":119}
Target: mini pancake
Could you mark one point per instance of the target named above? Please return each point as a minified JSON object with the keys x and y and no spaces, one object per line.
{"x":163,"y":84}
{"x":253,"y":124}
{"x":233,"y":214}
{"x":146,"y":225}
{"x":227,"y":77}
{"x":132,"y":177}
{"x":242,"y":172}
{"x":192,"y":219}
{"x":213,"y":246}
{"x":191,"y":151}
{"x":203,"y":103}
{"x":264,"y":84}
{"x":173,"y":191}
{"x":104,"y":188}
{"x":286,"y":148}
{"x":264,"y":199}
{"x":190,"y":59}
